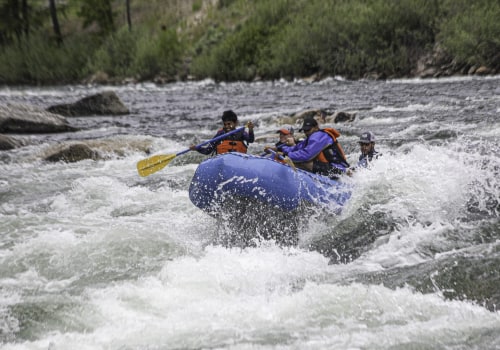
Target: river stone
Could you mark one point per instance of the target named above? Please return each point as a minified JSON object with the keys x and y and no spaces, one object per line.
{"x":340,"y":117}
{"x":7,"y":143}
{"x":321,"y":116}
{"x":353,"y":237}
{"x":105,"y":103}
{"x":73,"y":153}
{"x":19,"y":118}
{"x":473,"y":278}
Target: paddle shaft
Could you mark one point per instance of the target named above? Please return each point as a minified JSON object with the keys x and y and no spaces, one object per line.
{"x":215,"y":139}
{"x":280,"y":157}
{"x":155,"y":163}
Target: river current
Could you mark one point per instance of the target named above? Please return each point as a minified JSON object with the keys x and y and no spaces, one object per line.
{"x":92,"y":256}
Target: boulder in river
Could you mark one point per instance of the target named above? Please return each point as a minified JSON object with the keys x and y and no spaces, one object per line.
{"x":26,"y":119}
{"x":7,"y":143}
{"x":73,"y":153}
{"x":322,"y":116}
{"x":104,"y":103}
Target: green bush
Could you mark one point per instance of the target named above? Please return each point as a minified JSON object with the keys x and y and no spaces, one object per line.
{"x":234,"y":58}
{"x":243,"y":53}
{"x":225,"y":3}
{"x":197,"y":4}
{"x":271,"y":39}
{"x":116,"y":54}
{"x":472,"y":36}
{"x":350,"y":38}
{"x":12,"y":69}
{"x":35,"y":60}
{"x":160,"y":54}
{"x":138,"y":54}
{"x":298,"y":38}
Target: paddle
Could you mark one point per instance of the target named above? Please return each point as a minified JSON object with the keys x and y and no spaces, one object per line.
{"x":153,"y":164}
{"x":287,"y":160}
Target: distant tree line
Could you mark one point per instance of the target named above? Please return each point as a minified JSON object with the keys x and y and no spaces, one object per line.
{"x":20,"y":17}
{"x":352,"y":38}
{"x":59,"y":42}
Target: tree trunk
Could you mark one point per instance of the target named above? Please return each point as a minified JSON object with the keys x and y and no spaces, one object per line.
{"x":55,"y":22}
{"x":129,"y":21}
{"x":108,"y":13}
{"x":26,"y":21}
{"x":17,"y":20}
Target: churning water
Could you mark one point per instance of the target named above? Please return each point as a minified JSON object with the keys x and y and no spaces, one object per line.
{"x":94,"y":257}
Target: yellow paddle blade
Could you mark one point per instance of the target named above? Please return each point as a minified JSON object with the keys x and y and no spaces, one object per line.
{"x":153,"y":164}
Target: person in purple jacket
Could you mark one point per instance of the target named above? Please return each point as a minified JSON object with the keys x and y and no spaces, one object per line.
{"x":320,"y":152}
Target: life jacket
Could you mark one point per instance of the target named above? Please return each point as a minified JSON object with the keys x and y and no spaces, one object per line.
{"x":333,"y":153}
{"x":233,"y":143}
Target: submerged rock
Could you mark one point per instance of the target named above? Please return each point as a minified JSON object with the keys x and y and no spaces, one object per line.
{"x":353,"y":237}
{"x":474,"y":278}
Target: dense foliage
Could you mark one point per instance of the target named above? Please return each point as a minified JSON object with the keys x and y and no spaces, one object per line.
{"x":242,"y":39}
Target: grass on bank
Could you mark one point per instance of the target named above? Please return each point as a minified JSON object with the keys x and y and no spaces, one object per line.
{"x":270,"y":39}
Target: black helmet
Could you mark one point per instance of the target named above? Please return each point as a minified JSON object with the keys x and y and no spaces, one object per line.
{"x":229,"y":116}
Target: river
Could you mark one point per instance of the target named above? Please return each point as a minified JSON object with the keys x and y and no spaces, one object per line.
{"x":92,"y":256}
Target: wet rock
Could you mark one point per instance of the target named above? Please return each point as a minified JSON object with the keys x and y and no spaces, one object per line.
{"x":432,"y":64}
{"x":105,"y":103}
{"x":313,"y":78}
{"x":18,"y":118}
{"x":99,"y":77}
{"x":428,"y":72}
{"x":73,"y":153}
{"x":483,"y":71}
{"x":474,"y":278}
{"x":340,"y":117}
{"x":353,"y":237}
{"x":318,"y":114}
{"x":7,"y":143}
{"x":97,"y":149}
{"x":322,"y":117}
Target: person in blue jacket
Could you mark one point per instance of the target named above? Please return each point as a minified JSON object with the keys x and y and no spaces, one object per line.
{"x":233,"y":143}
{"x":319,"y":152}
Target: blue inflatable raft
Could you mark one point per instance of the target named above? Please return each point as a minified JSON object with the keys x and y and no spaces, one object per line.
{"x":262,"y":181}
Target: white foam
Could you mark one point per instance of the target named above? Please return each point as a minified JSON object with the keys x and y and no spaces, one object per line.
{"x":229,"y":298}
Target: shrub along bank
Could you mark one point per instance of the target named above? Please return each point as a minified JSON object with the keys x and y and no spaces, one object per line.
{"x":270,"y":39}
